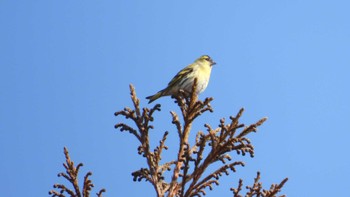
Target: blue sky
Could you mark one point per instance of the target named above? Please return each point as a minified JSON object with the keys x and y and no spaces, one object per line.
{"x":66,"y":67}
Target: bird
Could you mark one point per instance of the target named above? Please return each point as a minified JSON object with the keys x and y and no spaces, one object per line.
{"x":184,"y":79}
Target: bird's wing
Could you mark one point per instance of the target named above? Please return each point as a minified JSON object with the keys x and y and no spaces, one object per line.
{"x":180,"y":75}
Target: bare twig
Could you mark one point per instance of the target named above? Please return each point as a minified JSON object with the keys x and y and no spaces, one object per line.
{"x":72,"y":176}
{"x":257,"y":190}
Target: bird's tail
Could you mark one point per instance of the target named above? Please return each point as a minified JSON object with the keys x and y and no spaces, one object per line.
{"x":154,"y":97}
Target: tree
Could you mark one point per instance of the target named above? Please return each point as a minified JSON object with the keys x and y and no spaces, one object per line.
{"x":212,"y":148}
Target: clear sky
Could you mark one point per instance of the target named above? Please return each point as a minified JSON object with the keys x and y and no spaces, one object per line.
{"x":65,"y":67}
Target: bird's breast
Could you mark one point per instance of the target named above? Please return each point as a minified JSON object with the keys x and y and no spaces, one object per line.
{"x":203,"y":78}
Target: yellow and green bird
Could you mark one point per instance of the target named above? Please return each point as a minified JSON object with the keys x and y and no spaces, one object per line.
{"x":200,"y":69}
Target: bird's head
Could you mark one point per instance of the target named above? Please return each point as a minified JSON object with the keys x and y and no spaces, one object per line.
{"x":206,"y":59}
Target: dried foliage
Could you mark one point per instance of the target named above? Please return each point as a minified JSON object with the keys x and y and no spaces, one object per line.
{"x":188,"y":178}
{"x":72,"y":176}
{"x":257,"y":190}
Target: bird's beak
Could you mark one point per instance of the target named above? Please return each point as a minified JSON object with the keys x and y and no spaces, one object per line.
{"x":213,"y":63}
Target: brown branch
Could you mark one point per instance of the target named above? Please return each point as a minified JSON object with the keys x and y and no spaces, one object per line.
{"x":257,"y":190}
{"x":177,"y":123}
{"x":207,"y":181}
{"x":72,"y":176}
{"x":158,"y":150}
{"x":142,"y":118}
{"x":99,"y":194}
{"x":252,"y":128}
{"x":238,"y":189}
{"x":87,"y":185}
{"x":190,"y":109}
{"x":124,"y":127}
{"x":213,"y":147}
